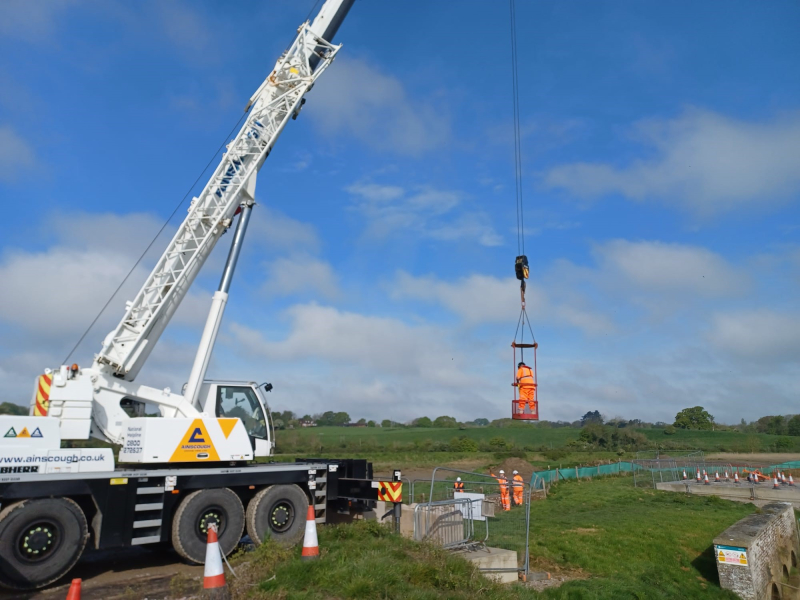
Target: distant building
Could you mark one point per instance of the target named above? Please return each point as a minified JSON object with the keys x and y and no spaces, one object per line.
{"x":307,"y":424}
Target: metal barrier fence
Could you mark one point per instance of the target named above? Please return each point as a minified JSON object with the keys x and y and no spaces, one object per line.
{"x":498,"y":514}
{"x":448,"y":523}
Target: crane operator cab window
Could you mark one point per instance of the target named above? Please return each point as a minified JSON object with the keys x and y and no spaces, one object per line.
{"x":242,"y":403}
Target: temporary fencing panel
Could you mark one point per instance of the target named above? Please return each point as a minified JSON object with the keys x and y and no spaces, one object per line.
{"x":483,"y":505}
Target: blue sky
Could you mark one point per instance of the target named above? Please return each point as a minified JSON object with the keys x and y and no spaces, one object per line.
{"x":661,"y":174}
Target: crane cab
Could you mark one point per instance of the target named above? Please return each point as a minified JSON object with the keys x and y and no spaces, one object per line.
{"x":243,"y":400}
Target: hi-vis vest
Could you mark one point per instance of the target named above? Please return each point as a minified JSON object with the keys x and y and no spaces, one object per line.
{"x":517,"y":481}
{"x":525,"y":375}
{"x":458,"y":486}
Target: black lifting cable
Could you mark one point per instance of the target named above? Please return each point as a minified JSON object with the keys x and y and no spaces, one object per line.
{"x":517,"y":135}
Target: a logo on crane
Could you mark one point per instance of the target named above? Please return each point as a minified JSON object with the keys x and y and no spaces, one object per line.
{"x":196,"y":445}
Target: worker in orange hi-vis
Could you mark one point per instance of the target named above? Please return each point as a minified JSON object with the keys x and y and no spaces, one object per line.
{"x":505,"y":496}
{"x":458,"y":486}
{"x":517,"y":485}
{"x":527,"y":387}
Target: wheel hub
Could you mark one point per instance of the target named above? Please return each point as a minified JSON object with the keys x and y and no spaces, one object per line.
{"x":37,"y":541}
{"x":209,"y":517}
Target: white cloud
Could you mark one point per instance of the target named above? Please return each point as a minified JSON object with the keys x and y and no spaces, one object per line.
{"x":16,"y":155}
{"x":485,"y":299}
{"x":760,"y":334}
{"x":30,"y":21}
{"x":662,"y":267}
{"x":358,"y":99}
{"x":272,"y":228}
{"x":705,"y":162}
{"x":301,"y":275}
{"x":426,"y":211}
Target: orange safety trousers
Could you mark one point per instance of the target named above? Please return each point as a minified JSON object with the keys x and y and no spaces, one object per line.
{"x":527,"y":388}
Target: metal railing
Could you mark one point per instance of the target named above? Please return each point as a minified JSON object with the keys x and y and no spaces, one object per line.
{"x":447,"y":523}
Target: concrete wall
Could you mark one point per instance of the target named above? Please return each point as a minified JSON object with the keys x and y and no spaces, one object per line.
{"x":769,"y":544}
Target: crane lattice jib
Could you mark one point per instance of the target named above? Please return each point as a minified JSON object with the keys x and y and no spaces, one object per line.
{"x":277,"y":100}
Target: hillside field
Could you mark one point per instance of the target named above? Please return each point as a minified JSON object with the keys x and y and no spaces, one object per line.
{"x":531,"y":438}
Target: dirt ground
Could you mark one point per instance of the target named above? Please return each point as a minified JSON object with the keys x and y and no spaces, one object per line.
{"x":129,"y":574}
{"x":759,"y":458}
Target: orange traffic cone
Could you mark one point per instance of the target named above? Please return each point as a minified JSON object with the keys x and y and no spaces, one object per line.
{"x":783,"y":478}
{"x":698,"y":475}
{"x":214,"y":585}
{"x":726,"y":476}
{"x":755,"y":477}
{"x":706,"y":480}
{"x":716,"y":476}
{"x":684,"y":474}
{"x":310,"y":542}
{"x":791,"y":480}
{"x":775,"y":485}
{"x":74,"y":592}
{"x":736,"y":477}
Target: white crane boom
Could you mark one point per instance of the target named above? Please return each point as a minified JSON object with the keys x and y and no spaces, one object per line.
{"x":278,"y":99}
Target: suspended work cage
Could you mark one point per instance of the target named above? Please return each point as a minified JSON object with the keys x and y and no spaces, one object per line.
{"x":525,"y":404}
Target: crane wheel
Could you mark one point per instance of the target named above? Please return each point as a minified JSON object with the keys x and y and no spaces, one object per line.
{"x":278,"y":512}
{"x":196,"y":512}
{"x":40,"y":541}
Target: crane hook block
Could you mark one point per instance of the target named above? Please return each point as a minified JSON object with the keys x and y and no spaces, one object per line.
{"x":521,"y":267}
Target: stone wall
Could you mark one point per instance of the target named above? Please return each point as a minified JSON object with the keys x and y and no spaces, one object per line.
{"x":756,"y":555}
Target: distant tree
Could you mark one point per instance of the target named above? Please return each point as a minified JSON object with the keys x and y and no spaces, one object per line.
{"x":326,"y":418}
{"x":773,"y":425}
{"x":481,"y":422}
{"x":370,"y":423}
{"x":445,"y":421}
{"x":593,"y":416}
{"x":306,"y":418}
{"x":9,"y":408}
{"x":386,"y":423}
{"x":341,"y":418}
{"x":792,"y":429}
{"x":694,"y":418}
{"x":361,"y":421}
{"x":422,"y":422}
{"x":670,"y":430}
{"x":463,"y":444}
{"x":278,"y":423}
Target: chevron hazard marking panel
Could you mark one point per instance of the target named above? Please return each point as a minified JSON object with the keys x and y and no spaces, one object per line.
{"x":42,"y":405}
{"x":390,"y":491}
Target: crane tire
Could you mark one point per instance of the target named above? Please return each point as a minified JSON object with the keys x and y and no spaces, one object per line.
{"x":40,"y":541}
{"x":277,"y":512}
{"x":196,"y":512}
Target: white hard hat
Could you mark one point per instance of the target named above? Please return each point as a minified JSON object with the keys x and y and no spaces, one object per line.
{"x":502,"y":472}
{"x":515,"y":473}
{"x":458,"y":478}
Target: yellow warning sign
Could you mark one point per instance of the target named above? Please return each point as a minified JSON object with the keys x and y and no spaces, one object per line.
{"x":732,"y":555}
{"x":227,"y":426}
{"x":196,"y":445}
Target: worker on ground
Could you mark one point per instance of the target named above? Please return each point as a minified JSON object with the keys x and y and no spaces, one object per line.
{"x":527,"y":387}
{"x":518,"y":486}
{"x":458,"y":486}
{"x":505,"y":496}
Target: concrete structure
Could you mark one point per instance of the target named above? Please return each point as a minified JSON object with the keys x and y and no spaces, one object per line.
{"x":756,"y":555}
{"x":494,"y":558}
{"x":759,"y":494}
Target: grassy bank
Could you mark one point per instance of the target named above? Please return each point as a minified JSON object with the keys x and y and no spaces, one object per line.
{"x":634,"y":543}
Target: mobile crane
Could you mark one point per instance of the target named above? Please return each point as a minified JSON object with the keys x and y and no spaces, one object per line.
{"x":189,"y":466}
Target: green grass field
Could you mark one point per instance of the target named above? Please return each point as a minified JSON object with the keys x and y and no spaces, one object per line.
{"x":611,"y":540}
{"x":529,"y":438}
